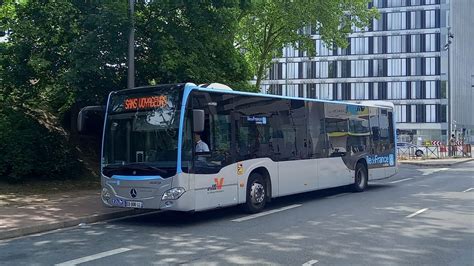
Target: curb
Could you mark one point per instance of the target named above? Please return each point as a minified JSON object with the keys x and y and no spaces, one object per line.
{"x":41,"y":228}
{"x":436,"y":164}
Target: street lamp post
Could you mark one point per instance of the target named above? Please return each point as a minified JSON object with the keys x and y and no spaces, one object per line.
{"x":449,"y":110}
{"x":131,"y":47}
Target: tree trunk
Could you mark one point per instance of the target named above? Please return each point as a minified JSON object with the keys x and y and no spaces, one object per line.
{"x":260,"y":70}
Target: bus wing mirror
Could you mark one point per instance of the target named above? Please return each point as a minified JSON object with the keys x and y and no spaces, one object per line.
{"x":90,"y":119}
{"x":198,"y":120}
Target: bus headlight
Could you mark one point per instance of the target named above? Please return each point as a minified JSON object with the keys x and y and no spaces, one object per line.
{"x":173,"y":193}
{"x":105,"y":195}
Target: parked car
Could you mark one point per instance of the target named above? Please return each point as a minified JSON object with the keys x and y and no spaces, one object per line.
{"x":418,"y":150}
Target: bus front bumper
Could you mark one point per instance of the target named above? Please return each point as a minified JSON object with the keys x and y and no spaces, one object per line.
{"x":183,"y":202}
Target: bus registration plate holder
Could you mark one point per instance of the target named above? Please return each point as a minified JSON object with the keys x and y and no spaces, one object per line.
{"x":134,"y":204}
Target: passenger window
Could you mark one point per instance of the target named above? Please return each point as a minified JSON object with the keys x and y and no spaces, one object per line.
{"x":359,"y":130}
{"x":375,"y":129}
{"x":317,"y":144}
{"x":337,"y":127}
{"x":253,"y":118}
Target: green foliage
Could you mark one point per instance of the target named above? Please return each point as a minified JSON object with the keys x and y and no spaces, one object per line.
{"x":62,"y":55}
{"x":31,"y":150}
{"x":267,"y":26}
{"x":188,"y":41}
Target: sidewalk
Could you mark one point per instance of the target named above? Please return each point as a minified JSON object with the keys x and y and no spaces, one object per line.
{"x":436,"y":162}
{"x":24,"y":215}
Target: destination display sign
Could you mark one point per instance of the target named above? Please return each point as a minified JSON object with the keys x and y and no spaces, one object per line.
{"x":148,"y":102}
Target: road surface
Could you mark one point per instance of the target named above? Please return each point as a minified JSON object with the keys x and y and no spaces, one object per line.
{"x":422,"y":216}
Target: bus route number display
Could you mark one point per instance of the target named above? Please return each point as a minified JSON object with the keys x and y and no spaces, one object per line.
{"x":146,"y":102}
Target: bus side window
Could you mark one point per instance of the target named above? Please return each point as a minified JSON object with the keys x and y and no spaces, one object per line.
{"x":337,"y":126}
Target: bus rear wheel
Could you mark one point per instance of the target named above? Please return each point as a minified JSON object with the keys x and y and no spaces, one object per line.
{"x":360,"y":178}
{"x":256,"y":193}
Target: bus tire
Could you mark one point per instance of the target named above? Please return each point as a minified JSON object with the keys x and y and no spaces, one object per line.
{"x":361,"y":178}
{"x":256,"y":193}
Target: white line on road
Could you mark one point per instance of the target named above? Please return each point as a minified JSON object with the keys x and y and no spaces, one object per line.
{"x":337,"y":195}
{"x":94,"y":257}
{"x":416,"y":213}
{"x":432,"y":170}
{"x":469,"y":189}
{"x":309,"y":263}
{"x":401,"y":180}
{"x":253,"y":216}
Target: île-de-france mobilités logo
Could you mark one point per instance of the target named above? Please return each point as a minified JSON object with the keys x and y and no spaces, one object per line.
{"x":217,"y":186}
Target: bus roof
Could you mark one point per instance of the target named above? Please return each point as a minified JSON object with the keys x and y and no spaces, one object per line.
{"x":379,"y":104}
{"x":372,"y":103}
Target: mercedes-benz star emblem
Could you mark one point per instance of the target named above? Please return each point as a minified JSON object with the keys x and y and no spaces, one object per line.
{"x":133,"y":193}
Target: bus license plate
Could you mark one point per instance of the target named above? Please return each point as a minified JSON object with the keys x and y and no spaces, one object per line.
{"x":134,"y":204}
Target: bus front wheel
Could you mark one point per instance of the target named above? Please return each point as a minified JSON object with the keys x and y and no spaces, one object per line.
{"x":256,"y":193}
{"x":360,"y":178}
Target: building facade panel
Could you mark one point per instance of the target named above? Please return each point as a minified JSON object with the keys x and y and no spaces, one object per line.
{"x":398,"y":58}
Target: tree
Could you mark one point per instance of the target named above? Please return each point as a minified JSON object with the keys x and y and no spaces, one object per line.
{"x":62,"y":55}
{"x":269,"y":25}
{"x":181,"y":41}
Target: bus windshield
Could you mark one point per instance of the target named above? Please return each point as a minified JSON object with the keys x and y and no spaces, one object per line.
{"x":141,"y":133}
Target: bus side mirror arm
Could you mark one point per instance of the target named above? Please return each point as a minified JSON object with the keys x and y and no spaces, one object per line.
{"x":90,"y":117}
{"x":198,"y":120}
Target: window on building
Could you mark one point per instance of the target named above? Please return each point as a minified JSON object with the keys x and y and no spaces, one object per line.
{"x":413,"y":113}
{"x":430,"y":43}
{"x":430,"y":89}
{"x":359,"y":68}
{"x":396,"y":21}
{"x":430,"y":18}
{"x":359,"y":45}
{"x":430,"y":113}
{"x":397,"y":90}
{"x":430,"y":66}
{"x":401,"y":113}
{"x":339,"y":91}
{"x":396,"y":67}
{"x":415,"y":20}
{"x":376,"y":90}
{"x":360,"y":91}
{"x":416,"y":90}
{"x":415,"y":66}
{"x":415,"y":43}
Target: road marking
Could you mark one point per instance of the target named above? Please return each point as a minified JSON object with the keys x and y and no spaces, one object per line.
{"x":469,"y":189}
{"x":432,"y":170}
{"x":94,"y":257}
{"x":416,"y":213}
{"x":253,"y":216}
{"x":309,"y":263}
{"x":401,"y":180}
{"x":337,"y":195}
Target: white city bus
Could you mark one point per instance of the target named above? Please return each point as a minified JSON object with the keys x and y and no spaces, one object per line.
{"x":259,"y":147}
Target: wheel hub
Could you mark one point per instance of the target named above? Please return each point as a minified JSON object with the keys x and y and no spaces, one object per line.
{"x":257,"y":193}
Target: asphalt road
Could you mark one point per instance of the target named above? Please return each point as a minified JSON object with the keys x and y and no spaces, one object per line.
{"x":422,"y":216}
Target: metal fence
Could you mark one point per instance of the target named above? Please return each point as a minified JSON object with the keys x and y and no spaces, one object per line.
{"x":435,"y":152}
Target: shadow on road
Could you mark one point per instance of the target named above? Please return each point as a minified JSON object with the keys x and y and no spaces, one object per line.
{"x":179,"y":219}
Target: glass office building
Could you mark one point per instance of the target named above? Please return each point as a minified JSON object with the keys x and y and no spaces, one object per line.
{"x":400,"y":58}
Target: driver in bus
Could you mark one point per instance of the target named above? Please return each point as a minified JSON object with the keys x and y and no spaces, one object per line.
{"x":201,"y":146}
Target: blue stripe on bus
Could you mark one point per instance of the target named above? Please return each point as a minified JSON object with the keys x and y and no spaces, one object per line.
{"x":103,"y":132}
{"x":187,"y":90}
{"x":135,"y":178}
